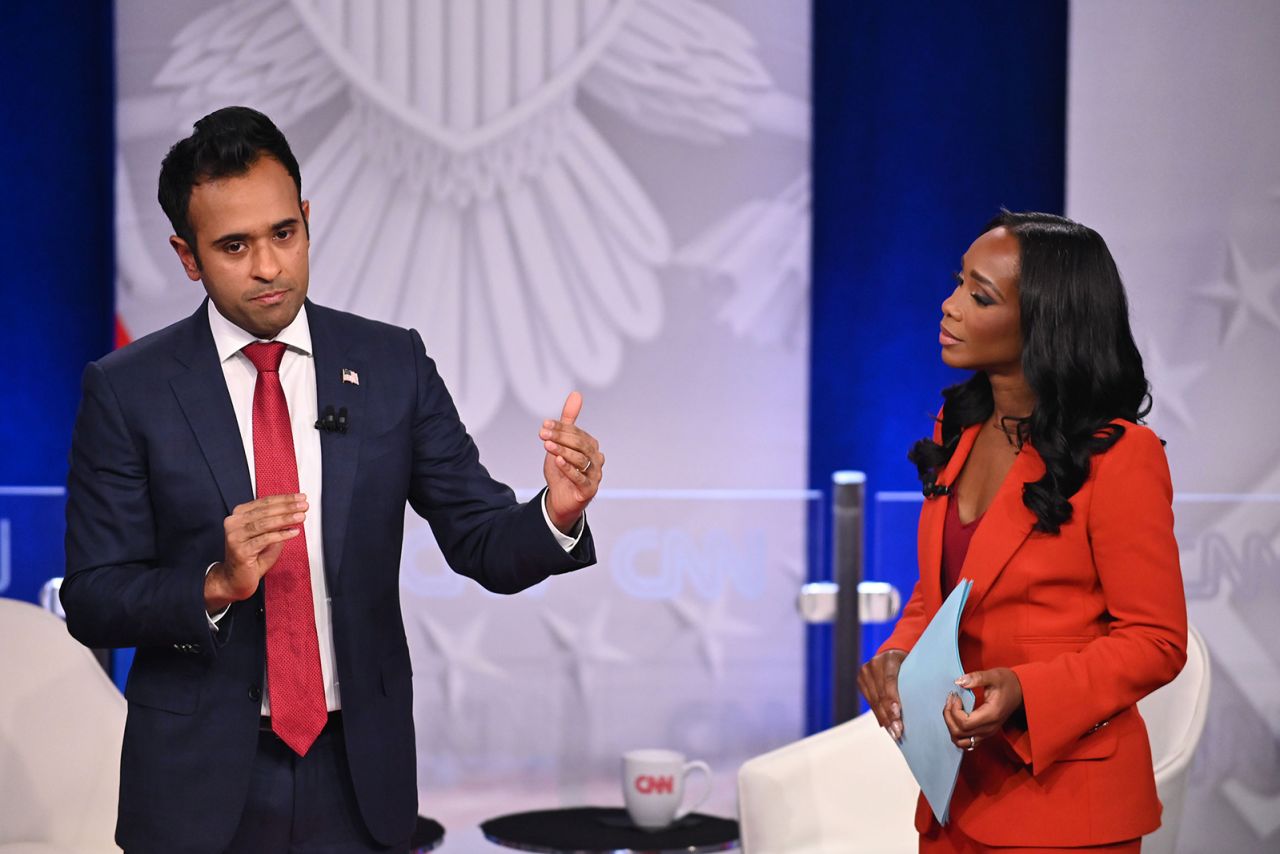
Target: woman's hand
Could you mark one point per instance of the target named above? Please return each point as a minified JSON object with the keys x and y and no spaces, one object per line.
{"x":1001,"y":697}
{"x":878,"y":681}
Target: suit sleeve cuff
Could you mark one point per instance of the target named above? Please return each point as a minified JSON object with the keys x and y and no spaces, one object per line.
{"x":566,"y":542}
{"x":214,"y":618}
{"x":1019,"y":741}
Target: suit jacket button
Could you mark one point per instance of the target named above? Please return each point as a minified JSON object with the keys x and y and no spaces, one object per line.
{"x":262,"y":612}
{"x":255,"y":693}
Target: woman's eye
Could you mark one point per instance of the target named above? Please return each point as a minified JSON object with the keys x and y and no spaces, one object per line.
{"x":957,"y":278}
{"x":982,"y":299}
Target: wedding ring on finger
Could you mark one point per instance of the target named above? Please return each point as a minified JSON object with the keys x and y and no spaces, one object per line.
{"x":587,"y":467}
{"x":973,"y":742}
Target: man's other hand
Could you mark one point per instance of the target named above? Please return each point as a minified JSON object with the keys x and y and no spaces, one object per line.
{"x":253,"y":537}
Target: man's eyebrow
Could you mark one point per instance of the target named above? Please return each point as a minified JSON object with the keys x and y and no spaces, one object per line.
{"x":241,"y":236}
{"x":230,"y":238}
{"x":985,"y":281}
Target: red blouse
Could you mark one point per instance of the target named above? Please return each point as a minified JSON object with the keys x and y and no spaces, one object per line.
{"x":955,"y":543}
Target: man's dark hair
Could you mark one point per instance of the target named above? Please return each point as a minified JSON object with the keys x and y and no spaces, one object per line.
{"x":226,"y":143}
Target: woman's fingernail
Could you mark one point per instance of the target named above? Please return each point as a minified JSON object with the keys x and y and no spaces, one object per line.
{"x":896,"y":709}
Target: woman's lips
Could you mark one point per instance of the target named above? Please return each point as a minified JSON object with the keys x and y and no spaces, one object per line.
{"x":945,"y":338}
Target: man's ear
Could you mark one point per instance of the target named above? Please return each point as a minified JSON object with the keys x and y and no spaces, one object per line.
{"x":306,"y":216}
{"x":186,"y":256}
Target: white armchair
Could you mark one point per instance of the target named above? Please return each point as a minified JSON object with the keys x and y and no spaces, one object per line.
{"x":61,"y":724}
{"x":1175,"y":716}
{"x":848,"y":790}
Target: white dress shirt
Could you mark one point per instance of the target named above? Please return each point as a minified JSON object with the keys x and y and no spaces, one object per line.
{"x":298,"y":379}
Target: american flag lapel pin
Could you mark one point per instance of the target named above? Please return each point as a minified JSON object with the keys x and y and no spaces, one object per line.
{"x":350,"y":376}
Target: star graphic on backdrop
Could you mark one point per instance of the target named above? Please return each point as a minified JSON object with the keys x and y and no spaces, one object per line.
{"x":584,"y":644}
{"x":712,"y":628}
{"x":460,"y":654}
{"x":1245,"y":291}
{"x":1170,"y":383}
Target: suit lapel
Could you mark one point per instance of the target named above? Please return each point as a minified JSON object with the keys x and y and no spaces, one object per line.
{"x":202,"y":394}
{"x":1004,"y":527}
{"x":932,"y":520}
{"x":339,"y":452}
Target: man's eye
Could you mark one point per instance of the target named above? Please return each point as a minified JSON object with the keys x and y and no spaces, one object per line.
{"x":234,"y":247}
{"x":284,"y":234}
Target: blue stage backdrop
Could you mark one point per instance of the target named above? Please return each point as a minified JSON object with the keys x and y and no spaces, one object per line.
{"x":56,"y":162}
{"x":928,"y":117}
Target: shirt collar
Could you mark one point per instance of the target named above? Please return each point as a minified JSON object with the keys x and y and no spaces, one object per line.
{"x":230,"y":339}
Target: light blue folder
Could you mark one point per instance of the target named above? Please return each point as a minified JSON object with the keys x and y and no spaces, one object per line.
{"x":927,"y":677}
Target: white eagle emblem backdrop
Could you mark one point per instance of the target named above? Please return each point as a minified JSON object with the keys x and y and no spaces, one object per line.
{"x":608,"y":195}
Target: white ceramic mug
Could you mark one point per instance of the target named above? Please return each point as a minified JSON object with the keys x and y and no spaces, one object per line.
{"x":653,"y":786}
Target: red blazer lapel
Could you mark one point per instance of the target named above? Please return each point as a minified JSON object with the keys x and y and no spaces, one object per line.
{"x":932,"y":517}
{"x":1005,"y":526}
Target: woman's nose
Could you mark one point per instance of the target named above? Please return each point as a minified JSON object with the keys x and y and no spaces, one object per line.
{"x":949,"y":305}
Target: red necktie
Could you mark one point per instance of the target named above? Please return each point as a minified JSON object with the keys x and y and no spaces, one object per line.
{"x":296,"y":687}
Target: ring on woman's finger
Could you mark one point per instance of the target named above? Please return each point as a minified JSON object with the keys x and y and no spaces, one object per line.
{"x":973,"y":742}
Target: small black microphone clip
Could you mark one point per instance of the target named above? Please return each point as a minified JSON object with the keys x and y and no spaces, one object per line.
{"x":331,"y":423}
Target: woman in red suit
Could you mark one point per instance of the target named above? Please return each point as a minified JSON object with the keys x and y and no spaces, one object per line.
{"x":1044,"y":490}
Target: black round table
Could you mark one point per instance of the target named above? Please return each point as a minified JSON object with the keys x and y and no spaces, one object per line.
{"x":592,"y":830}
{"x":427,"y":836}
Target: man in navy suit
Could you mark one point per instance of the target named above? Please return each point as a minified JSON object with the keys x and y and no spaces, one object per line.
{"x":235,"y":511}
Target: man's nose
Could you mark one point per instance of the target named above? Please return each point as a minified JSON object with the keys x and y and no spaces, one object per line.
{"x":266,"y":266}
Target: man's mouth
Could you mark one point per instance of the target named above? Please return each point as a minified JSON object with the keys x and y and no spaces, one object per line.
{"x":273,"y":297}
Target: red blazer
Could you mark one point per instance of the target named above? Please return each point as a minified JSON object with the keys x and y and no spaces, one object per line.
{"x":1091,"y":620}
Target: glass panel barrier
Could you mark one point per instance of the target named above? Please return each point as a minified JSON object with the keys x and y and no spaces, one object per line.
{"x":31,"y":528}
{"x":684,"y":636}
{"x":1228,"y":547}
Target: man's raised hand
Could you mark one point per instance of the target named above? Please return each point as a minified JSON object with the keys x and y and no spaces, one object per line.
{"x":572,"y":466}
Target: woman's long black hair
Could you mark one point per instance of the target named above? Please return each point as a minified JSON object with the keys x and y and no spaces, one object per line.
{"x":1078,"y":356}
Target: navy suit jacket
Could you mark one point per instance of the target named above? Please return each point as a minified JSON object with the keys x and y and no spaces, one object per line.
{"x":157,"y":464}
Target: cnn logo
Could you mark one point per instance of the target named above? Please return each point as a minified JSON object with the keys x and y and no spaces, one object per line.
{"x":647,"y":784}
